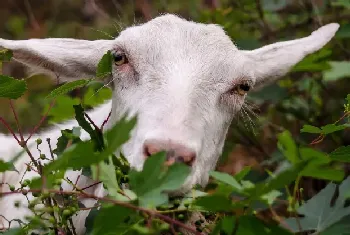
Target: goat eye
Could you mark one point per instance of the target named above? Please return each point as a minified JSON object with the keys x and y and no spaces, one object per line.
{"x":120,"y":59}
{"x":241,"y":89}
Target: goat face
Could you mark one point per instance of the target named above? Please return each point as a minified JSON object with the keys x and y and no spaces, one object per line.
{"x":185,"y":82}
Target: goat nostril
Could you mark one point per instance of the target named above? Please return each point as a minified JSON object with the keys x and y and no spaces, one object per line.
{"x":146,"y":152}
{"x":150,"y":149}
{"x":180,"y":159}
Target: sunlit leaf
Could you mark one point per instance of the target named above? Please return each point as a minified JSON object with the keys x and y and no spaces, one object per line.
{"x":287,"y":145}
{"x":227,"y":179}
{"x":151,"y":184}
{"x":104,"y":67}
{"x":311,"y":129}
{"x":330,"y":128}
{"x":215,"y":203}
{"x":6,"y":166}
{"x":341,"y":154}
{"x":340,"y":69}
{"x":62,"y":110}
{"x":67,"y":87}
{"x":11,"y":88}
{"x":94,"y":133}
{"x":112,"y":220}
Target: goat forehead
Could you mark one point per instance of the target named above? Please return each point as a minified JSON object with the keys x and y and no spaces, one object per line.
{"x":170,"y":33}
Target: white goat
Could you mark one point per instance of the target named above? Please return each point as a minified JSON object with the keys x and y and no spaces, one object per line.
{"x":184,"y":80}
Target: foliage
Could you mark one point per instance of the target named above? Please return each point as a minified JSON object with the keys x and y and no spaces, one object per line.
{"x":310,"y":124}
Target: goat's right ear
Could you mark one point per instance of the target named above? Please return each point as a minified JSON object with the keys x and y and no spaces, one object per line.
{"x":67,"y":58}
{"x":273,"y":61}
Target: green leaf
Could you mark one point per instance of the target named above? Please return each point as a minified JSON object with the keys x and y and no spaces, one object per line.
{"x":284,"y":178}
{"x":83,"y":154}
{"x":330,"y":128}
{"x":106,"y":173}
{"x":312,"y":62}
{"x":94,"y":98}
{"x":227,"y":179}
{"x":270,"y":197}
{"x":276,"y":182}
{"x":37,"y":182}
{"x":315,"y":156}
{"x":226,"y":224}
{"x":11,"y":88}
{"x":319,"y":165}
{"x":104,"y":67}
{"x":95,"y":134}
{"x":150,"y":184}
{"x":14,"y":231}
{"x":341,"y":3}
{"x":247,"y":225}
{"x":288,"y":147}
{"x":251,"y":225}
{"x":240,"y":175}
{"x":62,"y":110}
{"x":112,"y":220}
{"x":340,"y":69}
{"x":311,"y":129}
{"x":5,"y":55}
{"x":344,"y":31}
{"x":6,"y":166}
{"x":118,"y":135}
{"x":324,"y":173}
{"x":66,"y":136}
{"x":9,"y":166}
{"x":215,"y":203}
{"x":341,"y":154}
{"x":67,"y":87}
{"x":76,"y":156}
{"x":318,"y":212}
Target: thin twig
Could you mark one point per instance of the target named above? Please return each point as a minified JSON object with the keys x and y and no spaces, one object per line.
{"x":106,"y":120}
{"x":48,"y":140}
{"x":92,"y":122}
{"x":92,"y":185}
{"x":25,"y":147}
{"x":17,"y":122}
{"x":41,"y":121}
{"x":10,"y":129}
{"x":32,"y":19}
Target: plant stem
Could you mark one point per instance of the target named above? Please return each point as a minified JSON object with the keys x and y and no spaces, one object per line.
{"x":17,"y":122}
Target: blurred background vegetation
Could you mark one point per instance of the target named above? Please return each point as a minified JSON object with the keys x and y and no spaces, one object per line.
{"x":313,"y":93}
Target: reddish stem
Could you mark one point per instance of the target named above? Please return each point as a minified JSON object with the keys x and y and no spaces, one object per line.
{"x":10,"y":130}
{"x":17,"y":122}
{"x":40,"y":122}
{"x":105,"y":121}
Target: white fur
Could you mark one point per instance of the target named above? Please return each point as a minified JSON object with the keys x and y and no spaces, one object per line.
{"x":176,"y":82}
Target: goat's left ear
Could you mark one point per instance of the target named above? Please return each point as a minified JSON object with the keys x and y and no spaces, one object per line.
{"x":67,"y":58}
{"x":272,"y":61}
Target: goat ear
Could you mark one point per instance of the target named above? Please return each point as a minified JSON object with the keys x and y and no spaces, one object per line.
{"x":275,"y":60}
{"x":67,"y":58}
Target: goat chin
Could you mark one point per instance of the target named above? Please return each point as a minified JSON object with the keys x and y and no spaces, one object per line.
{"x":9,"y":148}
